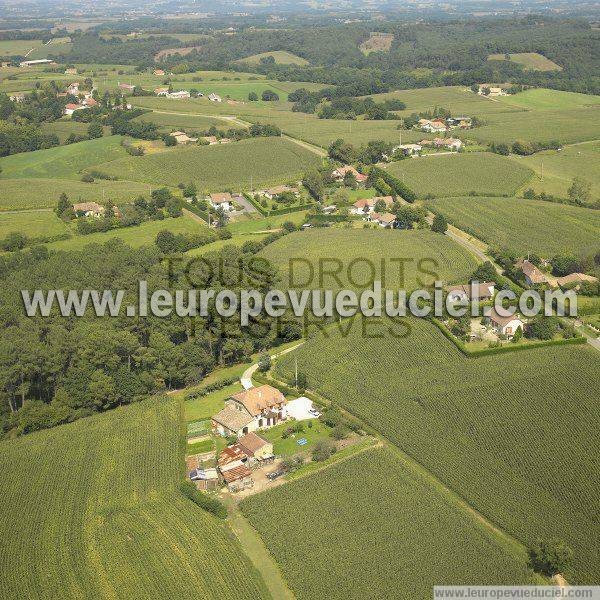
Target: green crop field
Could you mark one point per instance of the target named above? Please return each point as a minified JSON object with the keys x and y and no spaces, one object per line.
{"x":215,"y":168}
{"x":92,"y":510}
{"x":44,"y":193}
{"x":169,"y":121}
{"x":380,"y":533}
{"x":462,"y":173}
{"x":32,"y":223}
{"x":545,"y":99}
{"x":510,"y":433}
{"x":63,"y":162}
{"x":140,"y":235}
{"x":566,"y":126}
{"x":524,"y":225}
{"x":281,"y":58}
{"x":531,"y":61}
{"x":560,"y":168}
{"x":54,"y":48}
{"x":426,"y":256}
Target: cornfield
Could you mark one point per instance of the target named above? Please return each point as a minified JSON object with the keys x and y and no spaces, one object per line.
{"x":366,"y":528}
{"x":91,"y":510}
{"x":513,"y":434}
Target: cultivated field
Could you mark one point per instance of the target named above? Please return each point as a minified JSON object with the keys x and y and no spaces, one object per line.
{"x":65,"y":127}
{"x":92,"y":510}
{"x":524,"y":225}
{"x":510,"y":433}
{"x":168,"y":121}
{"x":363,"y":509}
{"x":457,"y":174}
{"x":63,"y":162}
{"x":531,"y":61}
{"x":426,"y":256}
{"x":259,"y":161}
{"x":560,"y":168}
{"x":18,"y":47}
{"x":281,"y":58}
{"x":18,"y":194}
{"x":33,"y":224}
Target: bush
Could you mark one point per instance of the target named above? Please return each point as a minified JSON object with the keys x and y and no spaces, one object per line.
{"x":264,"y":362}
{"x":204,"y":501}
{"x":322,"y":450}
{"x":550,"y":558}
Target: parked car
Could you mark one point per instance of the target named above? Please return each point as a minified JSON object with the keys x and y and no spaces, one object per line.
{"x":275,"y":474}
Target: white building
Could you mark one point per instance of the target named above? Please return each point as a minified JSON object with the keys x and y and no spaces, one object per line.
{"x":467,"y":292}
{"x":504,"y":325}
{"x":180,"y":95}
{"x":222,"y":200}
{"x":215,"y":97}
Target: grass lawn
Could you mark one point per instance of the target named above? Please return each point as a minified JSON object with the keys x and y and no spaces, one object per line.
{"x":19,"y":194}
{"x":531,"y":61}
{"x":169,"y":122}
{"x":524,"y":225}
{"x":461,"y":173}
{"x":62,"y":162}
{"x":560,"y":168}
{"x":259,"y":223}
{"x":140,"y":235}
{"x":289,"y":446}
{"x":34,"y":224}
{"x":207,"y":406}
{"x":237,"y":166}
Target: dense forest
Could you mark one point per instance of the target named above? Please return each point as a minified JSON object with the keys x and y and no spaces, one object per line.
{"x":72,"y":367}
{"x":422,"y":55}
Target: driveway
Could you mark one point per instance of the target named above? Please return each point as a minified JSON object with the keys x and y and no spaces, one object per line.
{"x":248,"y":206}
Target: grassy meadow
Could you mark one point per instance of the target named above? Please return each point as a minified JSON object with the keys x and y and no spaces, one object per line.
{"x":141,"y":235}
{"x":168,"y":121}
{"x":281,"y":57}
{"x":531,"y":61}
{"x":62,"y":162}
{"x":524,"y":225}
{"x":545,"y":99}
{"x":558,"y":169}
{"x":258,"y":161}
{"x":509,"y":433}
{"x":94,"y":507}
{"x":385,"y":533}
{"x":461,"y":173}
{"x":304,"y":259}
{"x":19,"y":194}
{"x":64,"y":127}
{"x":18,"y":47}
{"x":32,"y":223}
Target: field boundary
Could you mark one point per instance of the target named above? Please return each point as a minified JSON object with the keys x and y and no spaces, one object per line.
{"x":509,"y":542}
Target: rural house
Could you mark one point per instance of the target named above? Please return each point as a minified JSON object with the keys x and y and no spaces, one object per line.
{"x":504,"y":325}
{"x":408,"y":149}
{"x":256,"y":447}
{"x":215,"y":98}
{"x":467,"y":292}
{"x":279,"y":189}
{"x":339,"y":174}
{"x":205,"y":479}
{"x":222,"y":200}
{"x":182,"y":138}
{"x":575,"y":278}
{"x":180,"y":95}
{"x":211,"y":139}
{"x":385,"y":220}
{"x":533,"y":276}
{"x":367,"y":205}
{"x":89,"y":209}
{"x":161,"y":91}
{"x":450,"y":143}
{"x":249,"y":410}
{"x":158,"y":72}
{"x":437,"y":125}
{"x":126,"y":87}
{"x":71,"y":108}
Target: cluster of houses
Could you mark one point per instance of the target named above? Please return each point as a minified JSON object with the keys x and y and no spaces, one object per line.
{"x":535,"y":276}
{"x":484,"y":291}
{"x":452,"y":144}
{"x":184,"y":94}
{"x":244,"y":414}
{"x":366,"y":208}
{"x":490,"y":90}
{"x":340,"y":173}
{"x":85,"y":98}
{"x":94,"y":210}
{"x":440,"y":125}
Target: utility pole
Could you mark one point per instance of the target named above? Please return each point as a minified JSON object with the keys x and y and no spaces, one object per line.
{"x":296,"y":363}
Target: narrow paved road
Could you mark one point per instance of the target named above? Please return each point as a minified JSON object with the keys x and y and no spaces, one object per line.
{"x":246,"y":378}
